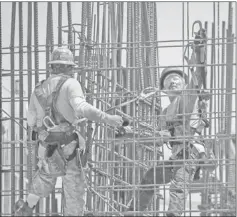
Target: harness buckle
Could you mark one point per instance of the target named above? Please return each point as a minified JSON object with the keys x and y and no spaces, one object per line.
{"x":47,"y":118}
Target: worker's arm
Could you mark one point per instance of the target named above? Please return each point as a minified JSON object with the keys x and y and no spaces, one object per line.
{"x":190,"y":96}
{"x":82,"y":108}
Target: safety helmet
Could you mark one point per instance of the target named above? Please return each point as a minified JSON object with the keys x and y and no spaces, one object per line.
{"x":62,"y":55}
{"x":170,"y":70}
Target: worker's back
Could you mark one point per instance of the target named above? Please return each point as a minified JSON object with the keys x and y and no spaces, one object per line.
{"x":62,"y":104}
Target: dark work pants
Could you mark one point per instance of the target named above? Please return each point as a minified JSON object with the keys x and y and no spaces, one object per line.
{"x":180,"y":174}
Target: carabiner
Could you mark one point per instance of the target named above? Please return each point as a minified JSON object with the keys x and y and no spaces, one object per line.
{"x":47,"y":118}
{"x":200,"y":25}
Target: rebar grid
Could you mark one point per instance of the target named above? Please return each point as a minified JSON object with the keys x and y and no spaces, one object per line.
{"x":114,"y":69}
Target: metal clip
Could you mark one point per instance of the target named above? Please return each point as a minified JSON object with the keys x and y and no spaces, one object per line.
{"x":200,"y":26}
{"x":47,"y":118}
{"x":200,"y":35}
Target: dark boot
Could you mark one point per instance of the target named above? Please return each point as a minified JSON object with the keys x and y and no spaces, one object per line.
{"x":21,"y":208}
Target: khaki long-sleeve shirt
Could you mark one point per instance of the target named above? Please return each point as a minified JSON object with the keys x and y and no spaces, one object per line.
{"x":71,"y":103}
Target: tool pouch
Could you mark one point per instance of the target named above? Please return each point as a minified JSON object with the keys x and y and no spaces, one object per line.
{"x":57,"y":164}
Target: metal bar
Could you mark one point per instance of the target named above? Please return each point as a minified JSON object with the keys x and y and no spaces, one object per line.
{"x":21,"y":107}
{"x":229,"y":83}
{"x":60,"y":11}
{"x":51,"y":26}
{"x":29,"y":66}
{"x":89,"y":90}
{"x":82,"y":45}
{"x":36,"y":40}
{"x":1,"y":123}
{"x":13,"y":104}
{"x":222,"y":99}
{"x":97,"y":154}
{"x":47,"y":40}
{"x":69,"y":14}
{"x":36,"y":52}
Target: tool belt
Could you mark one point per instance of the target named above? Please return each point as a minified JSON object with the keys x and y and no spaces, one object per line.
{"x":54,"y":143}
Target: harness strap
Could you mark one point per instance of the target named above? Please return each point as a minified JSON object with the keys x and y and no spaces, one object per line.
{"x":48,"y":103}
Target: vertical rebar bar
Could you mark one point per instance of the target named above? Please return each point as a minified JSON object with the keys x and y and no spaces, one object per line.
{"x":21,"y":94}
{"x":47,"y":41}
{"x":36,"y":44}
{"x":29,"y":67}
{"x":13,"y":105}
{"x":69,"y":14}
{"x":129,"y":50}
{"x":60,"y":12}
{"x":36,"y":52}
{"x":222,"y":129}
{"x":82,"y":45}
{"x":229,"y":92}
{"x":51,"y":26}
{"x":1,"y":125}
{"x":89,"y":91}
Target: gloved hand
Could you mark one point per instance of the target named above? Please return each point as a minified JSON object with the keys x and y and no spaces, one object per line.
{"x":114,"y":120}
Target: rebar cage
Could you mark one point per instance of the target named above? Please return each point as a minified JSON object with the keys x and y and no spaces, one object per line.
{"x":121,"y":48}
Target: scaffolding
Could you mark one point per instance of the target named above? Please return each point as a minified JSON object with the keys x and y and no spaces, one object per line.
{"x":118,"y":51}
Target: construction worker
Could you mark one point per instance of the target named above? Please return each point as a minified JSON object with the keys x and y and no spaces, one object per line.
{"x":176,"y":118}
{"x":185,"y":125}
{"x":54,"y":110}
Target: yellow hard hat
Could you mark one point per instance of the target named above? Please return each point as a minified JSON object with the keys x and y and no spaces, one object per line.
{"x":63,"y":56}
{"x":170,"y":70}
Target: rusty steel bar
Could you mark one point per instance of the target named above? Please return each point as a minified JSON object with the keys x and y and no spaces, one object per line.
{"x":1,"y":123}
{"x":222,"y":128}
{"x":82,"y":46}
{"x":129,"y":51}
{"x":51,"y":26}
{"x":29,"y":49}
{"x":36,"y":41}
{"x":229,"y":84}
{"x":48,"y":35}
{"x":69,"y":14}
{"x":47,"y":56}
{"x":13,"y":104}
{"x":21,"y":89}
{"x":89,"y":90}
{"x":125,"y":43}
{"x":36,"y":52}
{"x":53,"y":199}
{"x":98,"y":103}
{"x":60,"y":11}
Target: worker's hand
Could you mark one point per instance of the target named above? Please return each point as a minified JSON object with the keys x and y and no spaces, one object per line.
{"x":114,"y":120}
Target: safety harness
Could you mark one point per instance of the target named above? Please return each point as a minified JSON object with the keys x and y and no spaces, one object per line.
{"x":55,"y":129}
